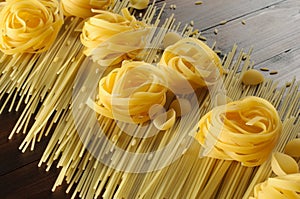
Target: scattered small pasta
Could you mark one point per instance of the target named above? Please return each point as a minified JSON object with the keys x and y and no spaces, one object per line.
{"x":83,"y":8}
{"x":195,"y":61}
{"x":128,"y":93}
{"x":245,"y":131}
{"x":29,"y":26}
{"x":292,"y":148}
{"x":103,"y":26}
{"x":283,"y":164}
{"x":252,"y":77}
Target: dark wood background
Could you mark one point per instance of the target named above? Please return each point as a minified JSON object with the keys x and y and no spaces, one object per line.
{"x":272,"y":28}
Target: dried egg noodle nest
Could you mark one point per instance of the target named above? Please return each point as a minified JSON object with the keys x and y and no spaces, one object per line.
{"x":29,"y":26}
{"x":83,"y":8}
{"x":103,"y":26}
{"x":245,"y":131}
{"x":129,"y":101}
{"x":287,"y":186}
{"x":127,"y":45}
{"x":195,"y":61}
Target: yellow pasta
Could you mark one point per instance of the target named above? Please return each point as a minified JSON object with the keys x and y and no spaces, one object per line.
{"x":92,"y":179}
{"x":139,"y":4}
{"x":181,"y":106}
{"x":292,"y":148}
{"x":29,"y":26}
{"x":287,"y":186}
{"x":195,"y":61}
{"x":127,"y":93}
{"x":283,"y":164}
{"x":165,"y":120}
{"x":103,"y":26}
{"x":245,"y":131}
{"x":2,"y":4}
{"x":83,"y":8}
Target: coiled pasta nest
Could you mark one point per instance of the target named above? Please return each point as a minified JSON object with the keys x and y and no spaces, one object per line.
{"x":29,"y":26}
{"x":83,"y":8}
{"x":194,"y":61}
{"x":245,"y":131}
{"x":127,"y":93}
{"x":100,"y":36}
{"x":287,"y":186}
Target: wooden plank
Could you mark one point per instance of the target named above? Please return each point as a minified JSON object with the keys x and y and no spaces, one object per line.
{"x":210,"y":13}
{"x":287,"y":64}
{"x":9,"y":152}
{"x":270,"y":32}
{"x":30,"y":182}
{"x":274,"y":35}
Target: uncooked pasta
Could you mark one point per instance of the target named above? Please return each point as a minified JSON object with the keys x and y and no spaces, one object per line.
{"x":102,"y":27}
{"x":283,"y":164}
{"x":292,"y":148}
{"x":246,"y":131}
{"x":187,"y":177}
{"x":139,"y":4}
{"x":83,"y":8}
{"x":181,"y":106}
{"x":195,"y":61}
{"x":127,"y":93}
{"x":165,"y":120}
{"x":29,"y":26}
{"x":287,"y":186}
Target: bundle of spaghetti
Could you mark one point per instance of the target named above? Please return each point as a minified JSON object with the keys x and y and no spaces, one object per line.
{"x":34,"y":79}
{"x":37,"y":79}
{"x":287,"y":186}
{"x":83,"y":8}
{"x":29,"y":26}
{"x":127,"y":93}
{"x":195,"y":61}
{"x":91,"y":178}
{"x":104,"y":26}
{"x":245,"y":131}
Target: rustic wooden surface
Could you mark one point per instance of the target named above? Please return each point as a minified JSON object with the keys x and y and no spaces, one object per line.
{"x":272,"y":28}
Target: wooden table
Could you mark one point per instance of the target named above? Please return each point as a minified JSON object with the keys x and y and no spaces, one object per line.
{"x":271,"y":27}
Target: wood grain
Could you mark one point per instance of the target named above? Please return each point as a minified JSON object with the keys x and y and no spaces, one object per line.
{"x":272,"y":28}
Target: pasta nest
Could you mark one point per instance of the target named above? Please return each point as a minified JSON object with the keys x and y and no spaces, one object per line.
{"x":194,"y":61}
{"x":287,"y":186}
{"x":29,"y":26}
{"x":139,"y":4}
{"x":245,"y":131}
{"x":101,"y":35}
{"x":83,"y":8}
{"x":127,"y":93}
